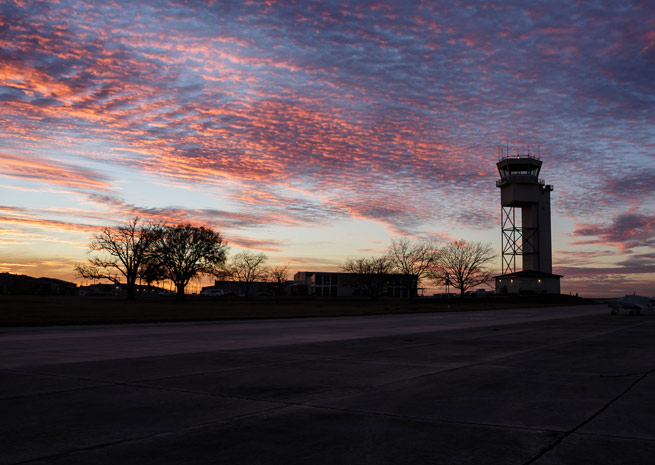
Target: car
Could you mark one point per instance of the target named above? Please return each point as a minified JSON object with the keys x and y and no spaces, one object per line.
{"x":212,"y":293}
{"x":479,"y":293}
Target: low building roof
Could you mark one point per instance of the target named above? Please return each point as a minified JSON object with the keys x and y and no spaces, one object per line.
{"x":529,"y":274}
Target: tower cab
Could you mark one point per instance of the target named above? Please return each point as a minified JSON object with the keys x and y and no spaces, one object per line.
{"x":519,"y":181}
{"x":520,"y":169}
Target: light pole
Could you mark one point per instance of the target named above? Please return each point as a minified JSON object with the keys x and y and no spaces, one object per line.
{"x":447,"y":285}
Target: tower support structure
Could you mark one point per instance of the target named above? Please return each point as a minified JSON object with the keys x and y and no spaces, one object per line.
{"x":516,"y":240}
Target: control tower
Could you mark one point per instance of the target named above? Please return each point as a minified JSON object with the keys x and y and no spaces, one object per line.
{"x":525,"y":227}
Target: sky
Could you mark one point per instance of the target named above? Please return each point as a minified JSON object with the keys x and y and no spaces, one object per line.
{"x":314,"y":131}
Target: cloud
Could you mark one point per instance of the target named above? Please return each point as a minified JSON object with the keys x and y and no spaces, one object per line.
{"x":584,"y":272}
{"x":49,"y":224}
{"x":49,"y":171}
{"x":252,"y":243}
{"x":37,"y":267}
{"x":313,"y":263}
{"x":580,"y":258}
{"x":626,"y":231}
{"x":595,"y":272}
{"x":220,"y":219}
{"x":312,"y":113}
{"x":633,"y":185}
{"x":350,"y":117}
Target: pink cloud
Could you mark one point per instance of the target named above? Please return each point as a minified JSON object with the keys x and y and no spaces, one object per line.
{"x":49,"y":224}
{"x":50,"y":171}
{"x":311,"y":113}
{"x":626,"y":231}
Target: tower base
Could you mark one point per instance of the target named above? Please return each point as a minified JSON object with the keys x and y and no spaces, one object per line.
{"x":527,"y":282}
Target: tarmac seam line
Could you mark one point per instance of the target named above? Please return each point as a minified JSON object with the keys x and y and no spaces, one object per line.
{"x":431,"y":420}
{"x":146,"y":387}
{"x":558,"y":441}
{"x":350,"y":392}
{"x":614,"y":436}
{"x":54,"y":391}
{"x":146,"y":436}
{"x":491,"y":361}
{"x":139,"y":385}
{"x":112,"y":382}
{"x":501,"y":357}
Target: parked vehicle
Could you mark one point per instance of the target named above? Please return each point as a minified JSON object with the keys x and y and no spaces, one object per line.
{"x":479,"y":293}
{"x":213,"y":293}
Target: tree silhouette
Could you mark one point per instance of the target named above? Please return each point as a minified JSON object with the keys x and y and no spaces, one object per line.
{"x":151,"y":270}
{"x":413,"y":260}
{"x":278,"y":275}
{"x":247,"y":267}
{"x":464,"y":264}
{"x":118,"y":253}
{"x":184,"y":252}
{"x":369,"y":274}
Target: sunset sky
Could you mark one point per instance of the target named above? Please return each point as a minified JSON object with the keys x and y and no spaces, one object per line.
{"x":316,"y":131}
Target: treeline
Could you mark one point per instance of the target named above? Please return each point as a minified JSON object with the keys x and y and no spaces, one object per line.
{"x":460,"y":264}
{"x":155,"y":252}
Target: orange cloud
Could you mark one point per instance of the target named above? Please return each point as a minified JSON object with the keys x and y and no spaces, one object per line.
{"x":50,"y":224}
{"x":48,"y":171}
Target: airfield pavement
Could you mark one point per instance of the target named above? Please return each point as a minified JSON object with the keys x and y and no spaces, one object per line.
{"x":567,"y":385}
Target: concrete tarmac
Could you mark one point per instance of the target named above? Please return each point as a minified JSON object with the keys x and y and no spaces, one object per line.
{"x":544,"y":386}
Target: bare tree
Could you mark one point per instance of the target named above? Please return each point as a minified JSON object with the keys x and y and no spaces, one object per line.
{"x":278,"y":275}
{"x":464,"y":265}
{"x":151,"y":270}
{"x":247,"y":267}
{"x":185,"y":252}
{"x":369,"y":274}
{"x":118,"y":253}
{"x":412,"y":259}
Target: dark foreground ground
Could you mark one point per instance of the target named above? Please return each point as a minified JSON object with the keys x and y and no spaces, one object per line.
{"x":62,"y":310}
{"x":545,"y":386}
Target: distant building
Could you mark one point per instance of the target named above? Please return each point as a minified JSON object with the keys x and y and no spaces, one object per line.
{"x":335,"y":284}
{"x":101,"y":290}
{"x":120,"y":290}
{"x":258,"y":288}
{"x":52,"y":286}
{"x":16,"y":284}
{"x":528,"y":282}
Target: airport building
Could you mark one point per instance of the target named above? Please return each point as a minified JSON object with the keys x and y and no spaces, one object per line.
{"x":335,"y":284}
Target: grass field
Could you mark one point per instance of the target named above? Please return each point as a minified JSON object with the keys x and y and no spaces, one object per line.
{"x":56,"y":310}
